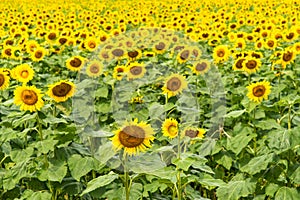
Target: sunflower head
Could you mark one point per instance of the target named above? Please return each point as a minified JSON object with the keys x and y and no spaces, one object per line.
{"x":133,"y":137}
{"x":38,"y":54}
{"x":23,"y":73}
{"x":61,"y":91}
{"x":28,"y":97}
{"x":135,"y":70}
{"x":94,"y":68}
{"x":174,"y":85}
{"x":75,"y":63}
{"x":4,"y":79}
{"x":119,"y":72}
{"x":221,"y":53}
{"x":251,"y":65}
{"x":259,"y":91}
{"x":192,"y":132}
{"x":201,"y":67}
{"x":170,"y":128}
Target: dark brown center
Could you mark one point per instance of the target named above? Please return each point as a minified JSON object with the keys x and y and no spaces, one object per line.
{"x":221,"y":53}
{"x":38,"y":54}
{"x":131,"y":136}
{"x":173,"y":84}
{"x":287,"y":56}
{"x":259,"y":90}
{"x":251,"y":64}
{"x":191,"y":133}
{"x":2,"y":79}
{"x":94,"y":68}
{"x":201,"y":66}
{"x":160,"y":46}
{"x":239,"y":63}
{"x":118,"y":52}
{"x":76,"y":62}
{"x":62,"y":41}
{"x":136,"y":70}
{"x":133,"y":54}
{"x":61,"y":90}
{"x":52,"y":36}
{"x":184,"y":54}
{"x":29,"y":97}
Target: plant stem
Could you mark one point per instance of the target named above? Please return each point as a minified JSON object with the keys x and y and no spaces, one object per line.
{"x":40,"y":128}
{"x":289,"y":118}
{"x":178,"y":170}
{"x":126,"y":173}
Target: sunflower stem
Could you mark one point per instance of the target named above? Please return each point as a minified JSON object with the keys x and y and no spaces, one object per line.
{"x":178,"y":170}
{"x":289,"y":118}
{"x":40,"y":128}
{"x":254,"y":144}
{"x":126,"y":173}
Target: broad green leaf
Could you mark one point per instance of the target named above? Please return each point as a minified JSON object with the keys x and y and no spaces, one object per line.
{"x":40,"y":195}
{"x":296,"y":176}
{"x":55,"y":172}
{"x":21,"y":155}
{"x":285,"y":193}
{"x":271,"y":189}
{"x":224,"y":159}
{"x":46,"y":145}
{"x":104,"y":107}
{"x":258,"y":164}
{"x":237,"y":143}
{"x":165,"y":173}
{"x":202,"y":167}
{"x":235,"y":114}
{"x":80,"y":166}
{"x":234,"y":190}
{"x":100,"y":182}
{"x":102,"y":91}
{"x":268,"y":124}
{"x":136,"y":191}
{"x":210,"y":182}
{"x":207,"y":146}
{"x":145,"y":163}
{"x":156,"y":110}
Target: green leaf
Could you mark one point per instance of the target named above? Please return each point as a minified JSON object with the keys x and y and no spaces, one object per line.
{"x":271,"y":189}
{"x":80,"y":166}
{"x":210,"y":182}
{"x":285,"y":193}
{"x":224,"y":159}
{"x":103,"y":107}
{"x":46,"y":145}
{"x":234,"y":190}
{"x":156,"y":110}
{"x":145,"y":163}
{"x":237,"y":143}
{"x":41,"y":195}
{"x":296,"y":176}
{"x":100,"y":182}
{"x":207,"y":146}
{"x":235,"y":114}
{"x":55,"y":172}
{"x":165,"y":173}
{"x":21,"y":155}
{"x":258,"y":164}
{"x":102,"y":91}
{"x":268,"y":124}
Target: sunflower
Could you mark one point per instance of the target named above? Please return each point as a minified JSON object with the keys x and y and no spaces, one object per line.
{"x":133,"y":137}
{"x":221,"y":53}
{"x":61,"y":91}
{"x":51,"y":37}
{"x":94,"y":69}
{"x":201,"y":67}
{"x":119,"y":72}
{"x":38,"y":54}
{"x":270,"y":44}
{"x":31,"y":45}
{"x":160,"y":47}
{"x":4,"y":79}
{"x":118,"y":53}
{"x":287,"y":56}
{"x":174,"y":85}
{"x":251,"y":64}
{"x":134,"y":54}
{"x":238,"y":64}
{"x":259,"y":91}
{"x":7,"y":52}
{"x":23,"y":73}
{"x":75,"y":63}
{"x":28,"y":97}
{"x":170,"y":128}
{"x":135,"y":70}
{"x":91,"y":44}
{"x":193,"y":132}
{"x":184,"y":55}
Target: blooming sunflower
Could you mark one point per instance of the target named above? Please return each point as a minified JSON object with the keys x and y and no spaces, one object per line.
{"x":184,"y":55}
{"x":4,"y":79}
{"x":94,"y":69}
{"x":259,"y":91}
{"x":287,"y":57}
{"x":251,"y":64}
{"x":118,"y":53}
{"x":174,"y":85}
{"x":135,"y":70}
{"x":170,"y":128}
{"x":119,"y":72}
{"x":28,"y":97}
{"x":23,"y":73}
{"x":193,"y":132}
{"x":75,"y":63}
{"x":238,"y":64}
{"x":201,"y":67}
{"x":133,"y":137}
{"x":134,"y":54}
{"x":221,"y":53}
{"x":91,"y":44}
{"x":38,"y":54}
{"x":61,"y":91}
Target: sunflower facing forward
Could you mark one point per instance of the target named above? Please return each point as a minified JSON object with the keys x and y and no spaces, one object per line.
{"x":61,"y":91}
{"x":29,"y":98}
{"x":75,"y":63}
{"x":23,"y":73}
{"x":170,"y":128}
{"x":259,"y":91}
{"x":4,"y":79}
{"x":174,"y":85}
{"x":133,"y":137}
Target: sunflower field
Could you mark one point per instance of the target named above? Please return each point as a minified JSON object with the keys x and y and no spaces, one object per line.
{"x":158,"y":100}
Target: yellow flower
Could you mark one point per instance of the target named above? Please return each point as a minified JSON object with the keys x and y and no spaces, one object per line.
{"x":135,"y":70}
{"x":94,"y":68}
{"x":201,"y":67}
{"x":119,"y":72}
{"x":259,"y":91}
{"x":75,"y":63}
{"x":170,"y":128}
{"x":133,"y":137}
{"x":91,"y":44}
{"x":23,"y":73}
{"x":38,"y":54}
{"x":221,"y":53}
{"x":4,"y":79}
{"x":193,"y":132}
{"x":61,"y":91}
{"x":28,"y":97}
{"x":174,"y":85}
{"x":251,"y":64}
